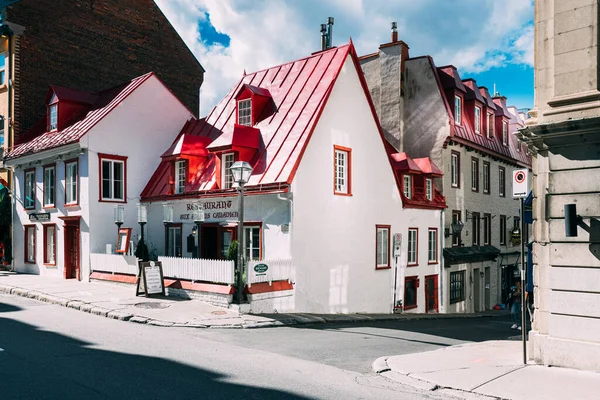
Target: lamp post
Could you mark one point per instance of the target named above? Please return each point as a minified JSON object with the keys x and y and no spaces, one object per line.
{"x":119,"y":215}
{"x":457,"y":228}
{"x":198,"y":216}
{"x":142,"y":219}
{"x":241,"y":171}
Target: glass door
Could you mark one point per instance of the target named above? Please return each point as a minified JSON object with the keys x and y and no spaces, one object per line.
{"x":174,"y":245}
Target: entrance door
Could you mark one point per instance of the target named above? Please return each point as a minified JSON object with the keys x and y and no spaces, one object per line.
{"x":72,"y":268}
{"x":477,"y":289}
{"x":208,"y":242}
{"x":487,"y":289}
{"x":174,"y":242}
{"x":431,"y":293}
{"x":226,"y":239}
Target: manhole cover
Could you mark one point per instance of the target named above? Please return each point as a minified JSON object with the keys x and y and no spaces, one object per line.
{"x":219,"y":312}
{"x":150,"y":304}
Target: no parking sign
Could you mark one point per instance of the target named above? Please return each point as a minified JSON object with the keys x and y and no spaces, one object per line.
{"x":519,"y":183}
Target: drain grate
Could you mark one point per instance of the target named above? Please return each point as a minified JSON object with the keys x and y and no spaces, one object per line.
{"x":152,"y":305}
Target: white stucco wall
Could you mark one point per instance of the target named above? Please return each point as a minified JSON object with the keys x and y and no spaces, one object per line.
{"x":334,"y":237}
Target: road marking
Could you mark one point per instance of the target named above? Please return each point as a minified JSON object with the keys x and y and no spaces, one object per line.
{"x":1,"y":349}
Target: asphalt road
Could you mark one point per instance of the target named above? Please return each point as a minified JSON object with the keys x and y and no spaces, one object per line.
{"x":51,"y":352}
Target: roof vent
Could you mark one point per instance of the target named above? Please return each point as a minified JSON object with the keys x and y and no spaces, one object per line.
{"x":394,"y":32}
{"x":323,"y":36}
{"x":327,"y":34}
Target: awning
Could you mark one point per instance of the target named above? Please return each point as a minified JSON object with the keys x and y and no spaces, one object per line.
{"x":460,"y":255}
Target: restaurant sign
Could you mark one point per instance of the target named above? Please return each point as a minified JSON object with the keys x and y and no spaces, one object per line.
{"x":39,"y":217}
{"x":214,"y":210}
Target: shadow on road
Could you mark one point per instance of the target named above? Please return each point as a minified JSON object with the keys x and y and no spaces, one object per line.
{"x":37,"y":364}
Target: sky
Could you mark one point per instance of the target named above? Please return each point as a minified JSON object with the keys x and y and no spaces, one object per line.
{"x":488,"y":40}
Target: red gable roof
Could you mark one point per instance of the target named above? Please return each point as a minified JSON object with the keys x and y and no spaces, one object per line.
{"x":402,"y":162}
{"x":106,"y":101}
{"x":427,"y":166}
{"x":66,"y":94}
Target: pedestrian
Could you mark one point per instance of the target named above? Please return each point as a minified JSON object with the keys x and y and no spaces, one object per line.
{"x":515,"y":306}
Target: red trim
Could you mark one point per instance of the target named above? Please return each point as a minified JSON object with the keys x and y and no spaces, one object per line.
{"x":488,"y":176}
{"x":127,"y":232}
{"x":416,"y":280}
{"x":435,"y":292}
{"x":45,"y":227}
{"x":348,"y":151}
{"x":454,"y":152}
{"x":416,"y":247}
{"x":26,"y":241}
{"x":475,"y":120}
{"x":265,"y":287}
{"x":389,"y":229}
{"x":502,"y":189}
{"x":25,"y":188}
{"x":169,"y":283}
{"x":101,"y":157}
{"x":461,"y":115}
{"x":476,"y":160}
{"x":437,"y":238}
{"x":53,"y":205}
{"x":67,"y":162}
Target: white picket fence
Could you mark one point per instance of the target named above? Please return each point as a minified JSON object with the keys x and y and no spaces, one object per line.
{"x":277,"y":270}
{"x":194,"y":269}
{"x":114,"y":263}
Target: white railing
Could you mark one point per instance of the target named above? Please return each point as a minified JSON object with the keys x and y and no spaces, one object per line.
{"x":194,"y":269}
{"x":276,"y":270}
{"x":115,"y":263}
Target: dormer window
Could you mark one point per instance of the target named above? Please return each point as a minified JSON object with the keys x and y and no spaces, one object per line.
{"x":477,"y":119}
{"x":505,"y":133}
{"x":490,"y":125}
{"x":407,"y":186}
{"x":457,"y":109}
{"x":245,"y":112}
{"x":180,"y":177}
{"x":52,"y":117}
{"x":226,"y":175}
{"x":428,"y":189}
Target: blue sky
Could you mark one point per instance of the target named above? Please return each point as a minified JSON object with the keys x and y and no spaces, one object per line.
{"x":488,"y":40}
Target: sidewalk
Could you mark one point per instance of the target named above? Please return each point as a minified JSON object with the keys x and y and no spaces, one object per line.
{"x":119,"y":302}
{"x":493,"y":369}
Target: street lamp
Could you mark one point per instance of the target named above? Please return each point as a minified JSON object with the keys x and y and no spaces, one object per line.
{"x":241,"y":171}
{"x":119,"y":215}
{"x":457,"y":228}
{"x":142,"y":219}
{"x":198,"y":216}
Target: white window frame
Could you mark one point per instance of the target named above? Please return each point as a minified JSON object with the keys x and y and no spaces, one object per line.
{"x":30,"y":233}
{"x":245,"y":112}
{"x":249,"y":241}
{"x":53,"y":117}
{"x":382,"y":251}
{"x":490,"y":126}
{"x":502,"y":181}
{"x":505,"y":133}
{"x":49,"y":186}
{"x":478,"y":120}
{"x":50,"y":244}
{"x":413,"y":257}
{"x":111,"y":179}
{"x":29,"y":186}
{"x":455,"y":168}
{"x":457,"y":109}
{"x":180,"y":176}
{"x":428,"y":189}
{"x":407,"y":186}
{"x":474,"y":174}
{"x":174,"y":241}
{"x":227,"y":160}
{"x":71,"y":181}
{"x":432,"y":246}
{"x":341,"y":171}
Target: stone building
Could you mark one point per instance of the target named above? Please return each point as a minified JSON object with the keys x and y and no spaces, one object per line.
{"x":429,"y":111}
{"x":564,"y":138}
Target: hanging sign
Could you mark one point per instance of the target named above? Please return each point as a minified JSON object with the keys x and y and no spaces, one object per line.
{"x":150,"y":280}
{"x":39,"y":217}
{"x":123,"y":240}
{"x":519,"y":183}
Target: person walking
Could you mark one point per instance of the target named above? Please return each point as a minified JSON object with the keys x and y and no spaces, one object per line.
{"x":515,"y":306}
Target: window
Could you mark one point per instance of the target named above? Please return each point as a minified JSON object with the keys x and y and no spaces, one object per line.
{"x":50,"y":244}
{"x":475,"y":218}
{"x":1,"y":136}
{"x":457,"y":107}
{"x":413,"y":256}
{"x":410,"y":292}
{"x":505,"y":133}
{"x":432,"y":252}
{"x":174,"y":242}
{"x":30,"y":243}
{"x":429,"y":189}
{"x":503,"y":230}
{"x":455,"y":166}
{"x":487,"y":229}
{"x":486,"y":177}
{"x":226,"y":175}
{"x":245,"y":112}
{"x":71,"y":181}
{"x":383,"y":246}
{"x":407,"y":186}
{"x":2,"y":68}
{"x":474,"y":174}
{"x":502,"y":181}
{"x":456,"y":219}
{"x":518,"y":145}
{"x":180,"y":177}
{"x":49,"y":185}
{"x":29,"y":195}
{"x":478,"y":120}
{"x":457,"y":286}
{"x":490,"y":125}
{"x":252,"y":243}
{"x":53,"y":117}
{"x":113,"y":171}
{"x":341,"y":179}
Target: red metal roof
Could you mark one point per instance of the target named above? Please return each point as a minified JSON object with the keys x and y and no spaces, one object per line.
{"x":427,"y":166}
{"x":105,"y":103}
{"x":402,"y":162}
{"x":189,"y":145}
{"x":66,"y":94}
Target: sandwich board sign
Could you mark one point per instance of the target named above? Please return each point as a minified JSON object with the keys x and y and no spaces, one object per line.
{"x":150,"y":279}
{"x":519,"y":183}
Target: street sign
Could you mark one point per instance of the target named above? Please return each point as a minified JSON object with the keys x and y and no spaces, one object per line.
{"x":397,"y":244}
{"x":519,"y":183}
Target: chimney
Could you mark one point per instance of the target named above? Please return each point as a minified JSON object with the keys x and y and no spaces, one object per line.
{"x":323,"y":36}
{"x":329,"y":32}
{"x":394,"y":32}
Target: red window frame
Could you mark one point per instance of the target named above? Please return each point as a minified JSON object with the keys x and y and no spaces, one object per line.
{"x":457,"y":154}
{"x":25,"y":188}
{"x":414,"y":279}
{"x":348,"y":151}
{"x":26,"y":241}
{"x":437,"y":238}
{"x":416,"y":262}
{"x":76,"y":203}
{"x":45,"y":228}
{"x":112,"y":157}
{"x":389,"y":230}
{"x":53,"y":205}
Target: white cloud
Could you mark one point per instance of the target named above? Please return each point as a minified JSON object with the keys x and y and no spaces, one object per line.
{"x":473,"y":35}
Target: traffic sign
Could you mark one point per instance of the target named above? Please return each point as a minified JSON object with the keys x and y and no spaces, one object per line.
{"x":520,"y":183}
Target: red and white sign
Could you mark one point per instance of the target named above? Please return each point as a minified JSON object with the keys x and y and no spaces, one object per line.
{"x":520,"y":183}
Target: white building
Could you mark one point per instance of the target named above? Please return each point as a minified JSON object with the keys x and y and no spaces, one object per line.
{"x":326,"y":191}
{"x":92,"y":151}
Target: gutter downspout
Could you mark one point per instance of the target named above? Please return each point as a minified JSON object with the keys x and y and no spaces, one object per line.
{"x":442,"y":305}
